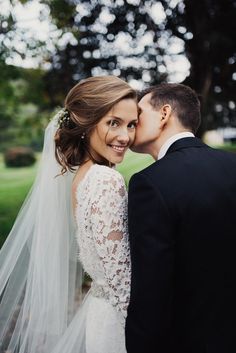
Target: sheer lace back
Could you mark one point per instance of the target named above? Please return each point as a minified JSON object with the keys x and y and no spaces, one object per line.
{"x":102,"y":234}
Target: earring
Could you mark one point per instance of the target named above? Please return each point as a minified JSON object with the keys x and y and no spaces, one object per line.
{"x":83,"y":136}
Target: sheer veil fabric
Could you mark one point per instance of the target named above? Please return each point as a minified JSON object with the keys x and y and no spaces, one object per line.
{"x":40,"y":275}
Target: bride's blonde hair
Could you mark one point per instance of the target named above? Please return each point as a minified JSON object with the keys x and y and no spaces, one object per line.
{"x":85,"y":104}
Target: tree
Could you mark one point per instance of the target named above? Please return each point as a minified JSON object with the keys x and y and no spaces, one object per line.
{"x":7,"y":29}
{"x":23,"y":107}
{"x":22,"y":93}
{"x":134,"y":39}
{"x":104,"y":37}
{"x":208,"y":29}
{"x":112,"y":37}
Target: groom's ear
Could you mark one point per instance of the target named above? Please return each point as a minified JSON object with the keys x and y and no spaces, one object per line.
{"x":166,"y":112}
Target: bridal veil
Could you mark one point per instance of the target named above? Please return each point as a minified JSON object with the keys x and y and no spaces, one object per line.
{"x":40,"y":275}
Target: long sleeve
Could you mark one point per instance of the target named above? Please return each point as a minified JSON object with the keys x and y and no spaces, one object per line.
{"x":110,"y":233}
{"x":148,"y":325}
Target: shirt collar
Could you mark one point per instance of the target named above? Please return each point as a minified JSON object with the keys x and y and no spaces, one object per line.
{"x":171,"y":140}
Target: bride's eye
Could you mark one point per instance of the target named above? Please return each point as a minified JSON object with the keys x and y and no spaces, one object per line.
{"x":132,"y":125}
{"x":114,"y":123}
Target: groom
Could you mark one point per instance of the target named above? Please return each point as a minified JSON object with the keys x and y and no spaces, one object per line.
{"x":182,"y":226}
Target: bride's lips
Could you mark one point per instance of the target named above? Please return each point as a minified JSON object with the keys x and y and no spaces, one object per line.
{"x":118,"y":148}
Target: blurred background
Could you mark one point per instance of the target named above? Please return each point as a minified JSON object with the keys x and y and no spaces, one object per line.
{"x":46,"y":46}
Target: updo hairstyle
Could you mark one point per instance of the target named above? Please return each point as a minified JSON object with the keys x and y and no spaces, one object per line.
{"x":85,"y":105}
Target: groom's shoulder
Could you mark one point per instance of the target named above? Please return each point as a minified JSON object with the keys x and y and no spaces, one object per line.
{"x":147,"y":172}
{"x":158,"y":170}
{"x":152,"y":168}
{"x":157,"y":167}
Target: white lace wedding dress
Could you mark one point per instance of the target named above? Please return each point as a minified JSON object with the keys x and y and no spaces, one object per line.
{"x":102,"y":235}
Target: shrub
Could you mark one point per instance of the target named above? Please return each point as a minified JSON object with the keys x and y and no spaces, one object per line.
{"x":19,"y":157}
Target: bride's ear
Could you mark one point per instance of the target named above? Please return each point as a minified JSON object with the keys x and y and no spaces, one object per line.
{"x":166,"y":112}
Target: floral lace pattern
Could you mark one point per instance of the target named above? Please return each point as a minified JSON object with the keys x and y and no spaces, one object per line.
{"x":102,"y":234}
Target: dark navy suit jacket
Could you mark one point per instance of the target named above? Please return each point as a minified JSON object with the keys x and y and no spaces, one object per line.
{"x":182,"y":228}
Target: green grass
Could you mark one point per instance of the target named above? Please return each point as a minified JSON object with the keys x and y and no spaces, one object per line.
{"x":133,"y":163}
{"x":14,"y":186}
{"x":16,"y":182}
{"x":228,"y":147}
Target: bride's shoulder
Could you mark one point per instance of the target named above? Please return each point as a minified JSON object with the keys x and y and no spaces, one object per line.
{"x":107,"y":174}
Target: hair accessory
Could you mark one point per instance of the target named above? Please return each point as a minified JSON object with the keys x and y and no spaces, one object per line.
{"x":83,"y":135}
{"x":63,"y":118}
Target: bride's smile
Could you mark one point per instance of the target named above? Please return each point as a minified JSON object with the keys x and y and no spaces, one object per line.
{"x":115,"y":132}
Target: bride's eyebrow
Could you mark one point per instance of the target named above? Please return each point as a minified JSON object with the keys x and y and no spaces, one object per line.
{"x":114,"y":117}
{"x":121,"y":119}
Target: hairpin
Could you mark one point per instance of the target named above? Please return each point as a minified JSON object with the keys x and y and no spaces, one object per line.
{"x":63,"y":118}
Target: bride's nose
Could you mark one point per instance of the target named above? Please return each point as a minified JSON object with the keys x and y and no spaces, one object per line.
{"x":123,"y":136}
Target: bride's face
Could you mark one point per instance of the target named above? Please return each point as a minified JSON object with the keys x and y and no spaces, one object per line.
{"x":115,"y":132}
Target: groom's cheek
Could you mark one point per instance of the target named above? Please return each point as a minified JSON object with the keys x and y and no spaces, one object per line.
{"x":135,"y":147}
{"x":139,"y":134}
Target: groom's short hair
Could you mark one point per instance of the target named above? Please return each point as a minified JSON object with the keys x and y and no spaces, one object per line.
{"x":183,"y":100}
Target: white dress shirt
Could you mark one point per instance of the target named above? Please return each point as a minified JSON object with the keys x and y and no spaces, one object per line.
{"x":171,"y":140}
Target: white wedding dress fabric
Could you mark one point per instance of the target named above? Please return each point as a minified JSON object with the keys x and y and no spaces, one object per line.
{"x":102,"y":235}
{"x":40,"y":263}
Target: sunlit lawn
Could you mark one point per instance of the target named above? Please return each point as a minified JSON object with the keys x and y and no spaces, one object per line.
{"x":132,"y":163}
{"x":16,"y":182}
{"x":14,"y":186}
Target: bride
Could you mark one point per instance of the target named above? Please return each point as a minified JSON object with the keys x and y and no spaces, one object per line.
{"x":74,"y":219}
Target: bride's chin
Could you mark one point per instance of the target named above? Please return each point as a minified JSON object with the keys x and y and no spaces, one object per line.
{"x":116,"y":160}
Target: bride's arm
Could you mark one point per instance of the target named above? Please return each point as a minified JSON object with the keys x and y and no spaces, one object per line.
{"x":109,"y":226}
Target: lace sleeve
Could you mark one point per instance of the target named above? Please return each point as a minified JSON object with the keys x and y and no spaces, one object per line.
{"x":110,"y":231}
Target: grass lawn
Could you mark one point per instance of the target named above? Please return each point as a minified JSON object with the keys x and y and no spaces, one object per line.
{"x":133,"y":163}
{"x":228,"y":147}
{"x":16,"y":182}
{"x":14,"y":186}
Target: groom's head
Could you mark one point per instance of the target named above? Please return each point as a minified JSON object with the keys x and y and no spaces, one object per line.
{"x":165,"y":110}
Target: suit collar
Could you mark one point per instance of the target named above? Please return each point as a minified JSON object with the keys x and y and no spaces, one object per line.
{"x":186,"y":143}
{"x":171,"y":140}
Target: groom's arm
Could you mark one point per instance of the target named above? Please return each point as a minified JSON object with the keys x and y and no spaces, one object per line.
{"x":148,"y":325}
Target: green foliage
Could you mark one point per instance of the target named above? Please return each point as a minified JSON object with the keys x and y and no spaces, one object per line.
{"x":23,"y":107}
{"x":90,"y":31}
{"x":62,"y":12}
{"x":23,"y":99}
{"x":19,"y":157}
{"x":93,"y":50}
{"x":7,"y":29}
{"x":205,"y":28}
{"x":208,"y":29}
